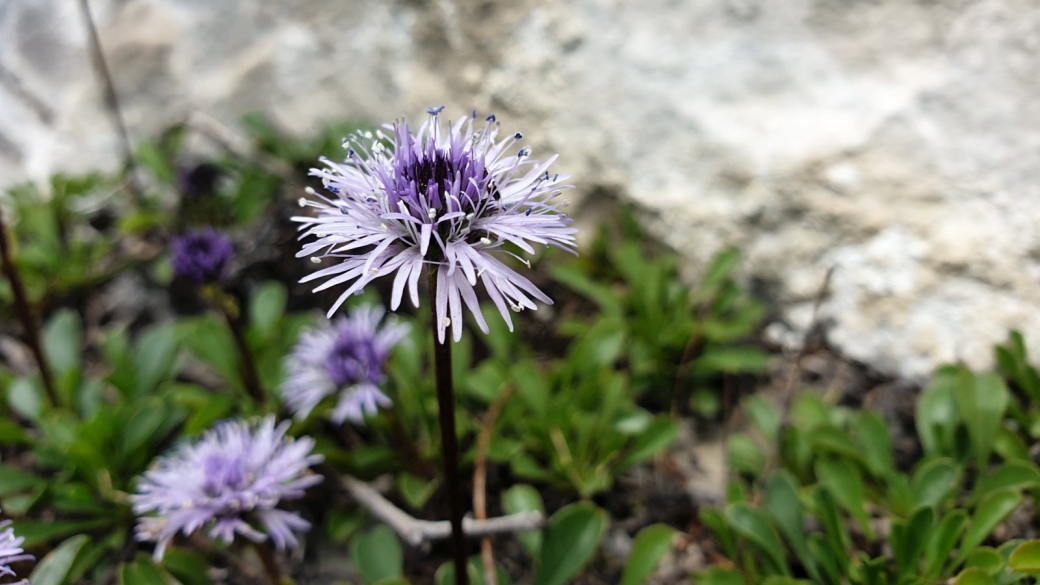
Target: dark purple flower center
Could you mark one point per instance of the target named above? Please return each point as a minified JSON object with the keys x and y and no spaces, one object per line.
{"x":352,"y":361}
{"x":443,"y":180}
{"x":224,"y":474}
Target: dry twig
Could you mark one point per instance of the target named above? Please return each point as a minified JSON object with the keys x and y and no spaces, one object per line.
{"x":415,"y":532}
{"x":480,"y":481}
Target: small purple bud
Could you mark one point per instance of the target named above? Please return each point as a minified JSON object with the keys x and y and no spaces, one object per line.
{"x":201,"y":256}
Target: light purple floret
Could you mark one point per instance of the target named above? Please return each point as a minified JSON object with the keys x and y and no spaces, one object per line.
{"x":10,"y":549}
{"x":228,"y":482}
{"x":346,"y":356}
{"x":450,"y":198}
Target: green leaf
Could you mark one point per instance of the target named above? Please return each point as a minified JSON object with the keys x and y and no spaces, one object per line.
{"x":531,"y":386}
{"x":267,"y":306}
{"x":658,"y":435}
{"x":731,"y":360}
{"x":781,"y":501}
{"x":908,"y":540}
{"x":524,"y":498}
{"x":54,"y":567}
{"x":377,"y":554}
{"x":573,"y":534}
{"x":990,"y":513}
{"x":142,"y":571}
{"x":830,"y":558}
{"x":416,"y":492}
{"x":37,"y":532}
{"x":210,"y":342}
{"x":650,"y":544}
{"x":715,"y":522}
{"x":844,"y":482}
{"x":62,"y":340}
{"x":720,"y":576}
{"x":586,"y":287}
{"x":445,"y":574}
{"x":763,"y":414}
{"x":837,"y":441}
{"x":981,"y":401}
{"x":154,"y":358}
{"x":942,"y":541}
{"x":143,"y":424}
{"x":937,"y":415}
{"x":1014,"y":476}
{"x":974,"y":576}
{"x":985,"y":558}
{"x":1026,"y":558}
{"x":875,"y":444}
{"x":754,"y":525}
{"x":188,"y":566}
{"x":13,"y":480}
{"x":25,"y":395}
{"x":830,"y":550}
{"x":744,"y":455}
{"x":933,"y":481}
{"x":1008,"y":445}
{"x":341,"y":524}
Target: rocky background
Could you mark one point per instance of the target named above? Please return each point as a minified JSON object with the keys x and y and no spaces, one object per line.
{"x":895,"y":140}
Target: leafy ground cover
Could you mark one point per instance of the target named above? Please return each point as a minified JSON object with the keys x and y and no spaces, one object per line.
{"x":661,"y":438}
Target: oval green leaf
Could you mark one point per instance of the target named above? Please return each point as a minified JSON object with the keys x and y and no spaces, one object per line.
{"x":990,"y":513}
{"x":648,"y":547}
{"x":974,"y":576}
{"x":524,"y":498}
{"x":571,"y":539}
{"x":754,"y":525}
{"x":377,"y":554}
{"x":1026,"y":558}
{"x":54,"y":567}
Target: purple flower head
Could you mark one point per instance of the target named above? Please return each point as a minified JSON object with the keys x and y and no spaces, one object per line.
{"x":10,"y":549}
{"x":201,"y":256}
{"x":449,"y":198}
{"x":346,"y":357}
{"x":228,"y":482}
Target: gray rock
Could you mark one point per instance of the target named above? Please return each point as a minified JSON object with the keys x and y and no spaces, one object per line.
{"x":898,"y":141}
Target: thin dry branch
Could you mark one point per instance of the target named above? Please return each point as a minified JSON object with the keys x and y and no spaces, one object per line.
{"x":480,"y":481}
{"x":415,"y":532}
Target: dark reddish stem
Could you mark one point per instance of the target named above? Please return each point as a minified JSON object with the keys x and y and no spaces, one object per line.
{"x":246,"y":365}
{"x":25,"y":314}
{"x":271,"y":565}
{"x":449,"y":441}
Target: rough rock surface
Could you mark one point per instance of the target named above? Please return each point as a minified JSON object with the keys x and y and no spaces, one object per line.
{"x":898,"y":140}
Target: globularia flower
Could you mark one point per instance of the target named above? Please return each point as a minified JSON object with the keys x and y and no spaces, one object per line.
{"x":346,"y":357}
{"x":201,"y":256}
{"x":10,"y":549}
{"x":228,"y":482}
{"x":449,"y":198}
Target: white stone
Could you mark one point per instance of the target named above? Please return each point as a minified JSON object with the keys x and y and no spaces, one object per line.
{"x":898,"y":141}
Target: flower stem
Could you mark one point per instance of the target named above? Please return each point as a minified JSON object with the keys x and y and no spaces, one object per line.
{"x":25,"y":314}
{"x":271,"y":565}
{"x":247,"y":366}
{"x":449,"y":441}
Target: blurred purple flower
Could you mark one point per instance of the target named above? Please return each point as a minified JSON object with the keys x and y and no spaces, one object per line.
{"x":230,"y":481}
{"x":198,"y":181}
{"x":450,"y":198}
{"x":347,"y":357}
{"x":201,"y":256}
{"x":10,"y":549}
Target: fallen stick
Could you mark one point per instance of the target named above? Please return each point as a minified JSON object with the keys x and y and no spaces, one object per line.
{"x":415,"y":532}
